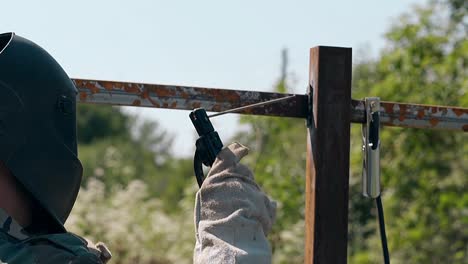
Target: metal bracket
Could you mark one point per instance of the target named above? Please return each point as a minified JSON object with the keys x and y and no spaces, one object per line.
{"x":310,"y":107}
{"x":371,"y":148}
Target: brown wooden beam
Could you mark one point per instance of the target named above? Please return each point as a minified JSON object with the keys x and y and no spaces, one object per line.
{"x":327,"y":170}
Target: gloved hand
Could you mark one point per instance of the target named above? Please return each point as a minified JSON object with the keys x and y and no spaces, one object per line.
{"x":232,"y":214}
{"x":100,"y":250}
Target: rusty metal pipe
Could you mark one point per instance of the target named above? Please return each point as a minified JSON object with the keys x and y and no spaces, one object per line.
{"x":218,"y":100}
{"x":186,"y":98}
{"x":416,"y":115}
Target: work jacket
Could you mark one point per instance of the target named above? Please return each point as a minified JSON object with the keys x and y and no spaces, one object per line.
{"x":18,"y":247}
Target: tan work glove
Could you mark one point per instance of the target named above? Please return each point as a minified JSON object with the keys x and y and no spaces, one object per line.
{"x":99,"y":249}
{"x":232,"y":214}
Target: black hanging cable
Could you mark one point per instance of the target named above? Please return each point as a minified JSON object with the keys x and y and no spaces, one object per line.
{"x":383,"y":235}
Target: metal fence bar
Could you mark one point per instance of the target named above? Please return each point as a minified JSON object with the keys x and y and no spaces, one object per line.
{"x":217,"y":100}
{"x":186,"y":98}
{"x":416,"y":115}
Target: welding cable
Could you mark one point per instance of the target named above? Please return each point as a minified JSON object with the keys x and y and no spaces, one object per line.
{"x":198,"y":167}
{"x":383,"y":235}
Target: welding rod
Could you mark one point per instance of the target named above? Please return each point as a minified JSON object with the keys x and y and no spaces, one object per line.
{"x":234,"y":110}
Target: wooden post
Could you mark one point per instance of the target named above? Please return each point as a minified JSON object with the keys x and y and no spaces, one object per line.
{"x":327,"y":171}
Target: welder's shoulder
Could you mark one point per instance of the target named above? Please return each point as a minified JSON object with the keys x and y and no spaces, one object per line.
{"x":60,"y":248}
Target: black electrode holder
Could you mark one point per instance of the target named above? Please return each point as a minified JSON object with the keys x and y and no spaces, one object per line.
{"x":208,"y":145}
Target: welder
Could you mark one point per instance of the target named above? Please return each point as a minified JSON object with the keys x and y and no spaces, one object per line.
{"x":40,"y":175}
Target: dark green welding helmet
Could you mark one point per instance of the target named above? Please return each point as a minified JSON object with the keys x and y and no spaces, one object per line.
{"x":38,"y":127}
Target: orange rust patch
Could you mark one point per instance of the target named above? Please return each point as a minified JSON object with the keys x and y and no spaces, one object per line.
{"x":132,"y":89}
{"x":163,"y":91}
{"x":460,"y":112}
{"x":196,"y":104}
{"x":434,"y":121}
{"x":435,"y":110}
{"x":420,"y":114}
{"x":388,"y":108}
{"x":91,"y":87}
{"x":83,"y":96}
{"x":108,"y":86}
{"x":154,"y":103}
{"x":165,"y":105}
{"x":222,"y":96}
{"x":217,"y":108}
{"x":145,"y":94}
{"x":174,"y":105}
{"x":465,"y":128}
{"x":402,"y":116}
{"x":136,"y":102}
{"x":184,"y":95}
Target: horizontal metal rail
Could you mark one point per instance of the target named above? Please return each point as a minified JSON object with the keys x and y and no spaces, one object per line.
{"x":416,"y":115}
{"x":218,"y":100}
{"x":186,"y":98}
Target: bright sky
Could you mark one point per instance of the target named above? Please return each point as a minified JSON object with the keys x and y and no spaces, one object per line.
{"x":208,"y":43}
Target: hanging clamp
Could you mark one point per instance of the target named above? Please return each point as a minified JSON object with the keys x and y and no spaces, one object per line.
{"x":371,"y":148}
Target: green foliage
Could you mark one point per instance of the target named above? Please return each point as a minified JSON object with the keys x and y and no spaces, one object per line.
{"x":96,"y":122}
{"x":136,"y":196}
{"x":140,"y":151}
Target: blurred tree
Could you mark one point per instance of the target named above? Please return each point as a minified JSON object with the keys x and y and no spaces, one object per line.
{"x":136,"y":196}
{"x":99,"y":121}
{"x":117,"y":148}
